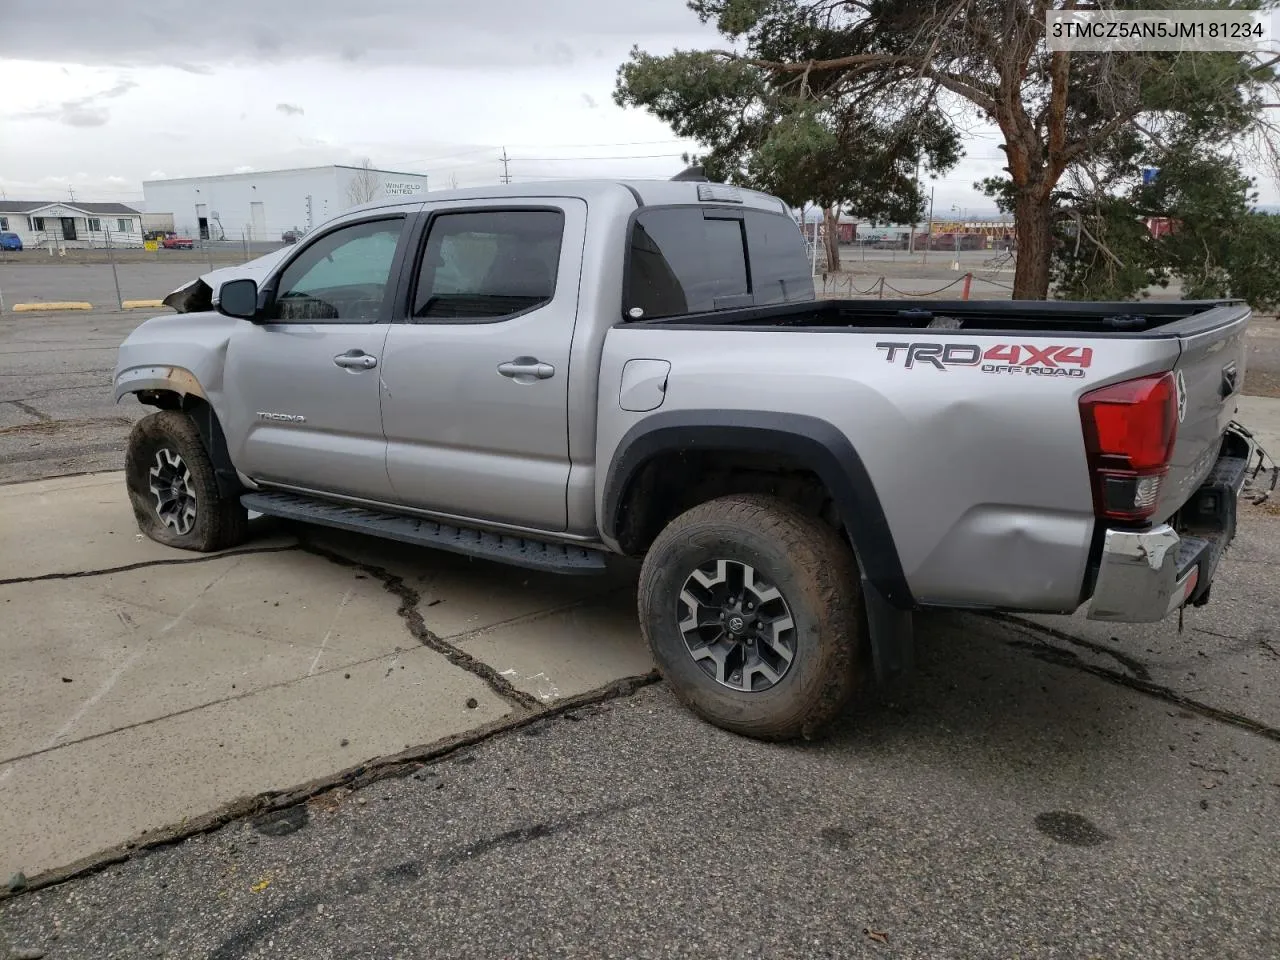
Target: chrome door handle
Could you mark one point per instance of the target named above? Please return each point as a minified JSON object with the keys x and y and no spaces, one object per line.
{"x":526,"y":369}
{"x":356,"y":360}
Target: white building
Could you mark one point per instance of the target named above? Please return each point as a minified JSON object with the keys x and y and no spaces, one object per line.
{"x":71,"y":224}
{"x":262,"y":206}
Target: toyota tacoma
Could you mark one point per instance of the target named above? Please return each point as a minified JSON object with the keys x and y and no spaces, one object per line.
{"x":545,"y":375}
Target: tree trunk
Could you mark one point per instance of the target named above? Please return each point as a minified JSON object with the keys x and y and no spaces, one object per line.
{"x":831,"y":237}
{"x":1033,"y":228}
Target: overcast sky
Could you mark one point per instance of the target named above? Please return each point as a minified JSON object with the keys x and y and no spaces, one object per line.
{"x":102,"y":94}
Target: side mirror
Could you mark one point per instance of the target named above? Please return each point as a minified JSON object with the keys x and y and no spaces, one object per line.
{"x":239,"y":298}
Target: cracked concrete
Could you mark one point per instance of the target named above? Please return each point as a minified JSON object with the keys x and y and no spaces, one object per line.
{"x":141,"y":687}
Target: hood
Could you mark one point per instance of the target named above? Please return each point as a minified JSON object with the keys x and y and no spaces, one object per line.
{"x":198,"y":295}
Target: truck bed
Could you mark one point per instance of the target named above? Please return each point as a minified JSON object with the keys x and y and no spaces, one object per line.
{"x":965,"y":415}
{"x":1095,"y":318}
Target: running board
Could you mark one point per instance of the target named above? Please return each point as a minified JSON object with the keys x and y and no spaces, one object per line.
{"x":500,"y":547}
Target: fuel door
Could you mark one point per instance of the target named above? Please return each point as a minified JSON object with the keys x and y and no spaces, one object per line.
{"x":644,"y":385}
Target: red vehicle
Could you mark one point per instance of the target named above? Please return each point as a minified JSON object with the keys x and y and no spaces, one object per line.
{"x":174,"y":242}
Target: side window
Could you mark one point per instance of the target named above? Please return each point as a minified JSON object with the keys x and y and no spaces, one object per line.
{"x":342,"y":277}
{"x":780,"y":270}
{"x":684,"y":262}
{"x":488,"y":264}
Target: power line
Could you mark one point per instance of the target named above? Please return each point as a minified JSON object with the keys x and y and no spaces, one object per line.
{"x":536,"y":146}
{"x":636,"y":156}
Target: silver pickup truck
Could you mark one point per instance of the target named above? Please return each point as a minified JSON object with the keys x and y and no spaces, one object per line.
{"x":548,"y":374}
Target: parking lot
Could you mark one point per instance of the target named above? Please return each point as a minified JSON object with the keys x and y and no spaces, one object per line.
{"x":323,"y":745}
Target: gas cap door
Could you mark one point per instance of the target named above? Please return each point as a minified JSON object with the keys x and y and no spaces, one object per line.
{"x":644,"y":385}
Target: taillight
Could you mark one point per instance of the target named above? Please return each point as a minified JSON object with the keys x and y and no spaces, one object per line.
{"x":1129,"y":432}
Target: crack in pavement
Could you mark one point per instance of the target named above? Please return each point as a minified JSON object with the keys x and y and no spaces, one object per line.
{"x":1136,"y":667}
{"x":143,"y":564}
{"x":412,"y":616}
{"x":353,"y":778}
{"x":28,"y":409}
{"x":232,"y":698}
{"x":527,"y":618}
{"x":1068,"y":659}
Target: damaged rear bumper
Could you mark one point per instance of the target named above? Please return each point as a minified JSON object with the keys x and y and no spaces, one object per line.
{"x":1145,"y":575}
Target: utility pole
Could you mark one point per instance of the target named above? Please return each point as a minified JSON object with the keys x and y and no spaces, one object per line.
{"x":115,"y":275}
{"x":911,"y":241}
{"x":928,"y":237}
{"x":506,"y":171}
{"x":71,"y":193}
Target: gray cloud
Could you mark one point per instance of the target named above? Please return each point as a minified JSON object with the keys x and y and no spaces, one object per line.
{"x":189,"y":35}
{"x":85,"y":116}
{"x":83,"y":111}
{"x":589,"y":101}
{"x":290,"y":109}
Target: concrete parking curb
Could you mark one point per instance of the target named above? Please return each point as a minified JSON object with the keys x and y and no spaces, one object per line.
{"x":52,"y":305}
{"x":141,"y":304}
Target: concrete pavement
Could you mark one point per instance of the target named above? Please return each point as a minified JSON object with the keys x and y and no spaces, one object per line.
{"x":141,"y":687}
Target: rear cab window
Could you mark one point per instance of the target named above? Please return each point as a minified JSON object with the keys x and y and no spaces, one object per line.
{"x":699,"y":258}
{"x":487,"y":265}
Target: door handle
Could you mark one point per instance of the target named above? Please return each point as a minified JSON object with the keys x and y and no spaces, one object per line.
{"x":526,"y":369}
{"x":356,"y":360}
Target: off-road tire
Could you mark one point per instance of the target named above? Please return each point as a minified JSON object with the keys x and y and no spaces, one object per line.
{"x":814,"y":569}
{"x":220,"y":522}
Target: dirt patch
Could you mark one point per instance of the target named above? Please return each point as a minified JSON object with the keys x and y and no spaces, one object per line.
{"x":47,"y":427}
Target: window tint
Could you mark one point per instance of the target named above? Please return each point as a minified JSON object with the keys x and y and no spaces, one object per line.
{"x":342,"y":277}
{"x":488,"y":264}
{"x":780,"y":271}
{"x":683,"y":262}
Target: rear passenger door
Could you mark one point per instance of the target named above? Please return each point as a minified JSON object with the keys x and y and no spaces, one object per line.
{"x":475,"y":374}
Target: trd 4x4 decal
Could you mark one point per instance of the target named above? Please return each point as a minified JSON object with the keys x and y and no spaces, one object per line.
{"x":1024,"y":358}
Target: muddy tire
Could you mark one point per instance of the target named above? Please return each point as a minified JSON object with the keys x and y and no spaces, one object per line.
{"x":173,"y":489}
{"x":753,"y":613}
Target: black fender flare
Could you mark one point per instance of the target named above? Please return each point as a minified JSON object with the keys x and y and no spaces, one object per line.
{"x":814,"y":442}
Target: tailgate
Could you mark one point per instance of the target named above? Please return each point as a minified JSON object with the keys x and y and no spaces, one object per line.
{"x":1210,"y":377}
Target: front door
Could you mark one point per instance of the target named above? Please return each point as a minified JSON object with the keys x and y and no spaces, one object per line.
{"x":68,"y":228}
{"x":302,"y":387}
{"x":476,"y":380}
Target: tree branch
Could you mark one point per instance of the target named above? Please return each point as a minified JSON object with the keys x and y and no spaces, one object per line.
{"x":1095,"y":241}
{"x":971,"y":88}
{"x":1085,"y":144}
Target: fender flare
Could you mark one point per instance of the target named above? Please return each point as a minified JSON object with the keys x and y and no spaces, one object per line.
{"x":178,"y":380}
{"x":814,"y":442}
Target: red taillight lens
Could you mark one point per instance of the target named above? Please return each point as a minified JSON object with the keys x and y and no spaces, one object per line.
{"x":1129,"y":432}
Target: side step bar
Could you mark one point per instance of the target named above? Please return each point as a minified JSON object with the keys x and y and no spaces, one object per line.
{"x":500,"y":547}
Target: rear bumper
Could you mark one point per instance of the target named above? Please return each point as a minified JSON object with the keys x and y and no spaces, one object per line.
{"x":1145,"y":575}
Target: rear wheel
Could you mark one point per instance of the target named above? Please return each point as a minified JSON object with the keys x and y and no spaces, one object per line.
{"x":173,"y":489}
{"x":752,"y":610}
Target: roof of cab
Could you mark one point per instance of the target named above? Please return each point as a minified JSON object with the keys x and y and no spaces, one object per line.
{"x":647,"y":192}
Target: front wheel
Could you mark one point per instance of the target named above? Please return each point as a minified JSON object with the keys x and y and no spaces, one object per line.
{"x":173,"y":489}
{"x":752,"y":610}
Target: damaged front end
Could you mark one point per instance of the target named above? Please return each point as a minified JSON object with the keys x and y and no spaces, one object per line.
{"x":198,"y":295}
